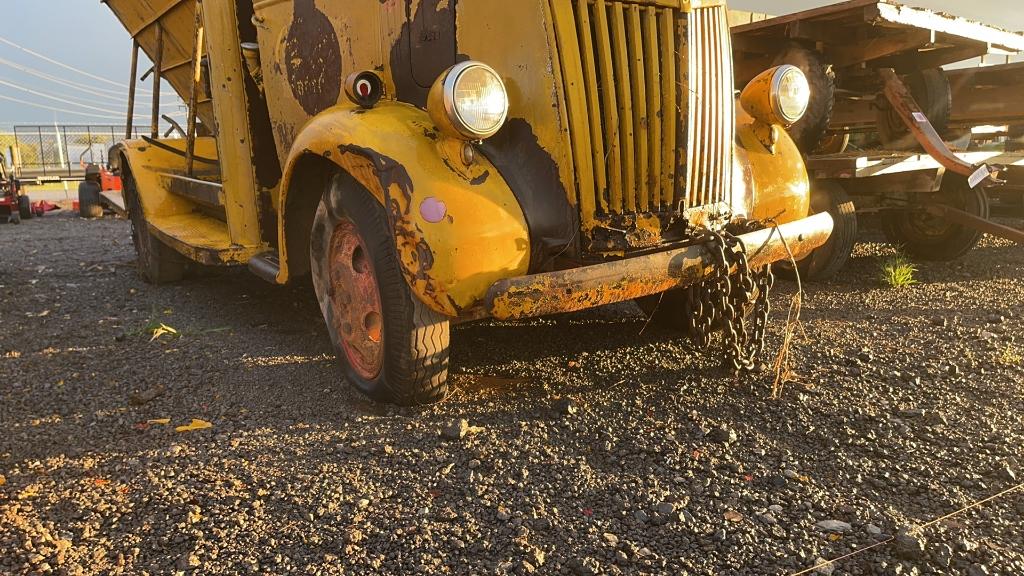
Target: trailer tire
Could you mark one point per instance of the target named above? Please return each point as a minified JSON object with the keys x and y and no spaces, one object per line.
{"x":25,"y":208}
{"x":932,"y":92}
{"x":826,"y":261}
{"x":157,"y":263}
{"x":927,"y":237}
{"x":89,"y":201}
{"x":390,"y":345}
{"x":810,"y":130}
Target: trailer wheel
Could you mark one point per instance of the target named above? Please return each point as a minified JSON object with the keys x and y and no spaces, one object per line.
{"x":809,"y":131}
{"x":25,"y":208}
{"x":391,"y":346}
{"x":933,"y":95}
{"x":827,"y":260}
{"x":156,"y":262}
{"x":928,"y":237}
{"x":89,"y":201}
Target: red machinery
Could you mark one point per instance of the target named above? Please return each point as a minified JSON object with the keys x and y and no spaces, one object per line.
{"x":13,"y":204}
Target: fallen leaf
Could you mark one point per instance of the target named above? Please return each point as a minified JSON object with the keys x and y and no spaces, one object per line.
{"x":588,"y":511}
{"x":748,"y":478}
{"x":3,"y":480}
{"x":141,"y":426}
{"x":100,"y":481}
{"x":733,"y":516}
{"x":160,"y":421}
{"x":835,"y":537}
{"x":161,"y":330}
{"x":196,"y":424}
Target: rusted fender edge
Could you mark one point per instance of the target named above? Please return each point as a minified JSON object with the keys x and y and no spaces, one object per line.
{"x":457,"y":228}
{"x":581,"y":288}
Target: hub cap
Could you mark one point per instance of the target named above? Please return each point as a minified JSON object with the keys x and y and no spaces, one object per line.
{"x":355,"y":300}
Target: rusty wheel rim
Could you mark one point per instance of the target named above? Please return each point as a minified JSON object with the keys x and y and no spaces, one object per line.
{"x":357,"y":318}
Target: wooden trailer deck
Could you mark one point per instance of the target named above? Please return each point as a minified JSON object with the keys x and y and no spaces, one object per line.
{"x":882,"y":34}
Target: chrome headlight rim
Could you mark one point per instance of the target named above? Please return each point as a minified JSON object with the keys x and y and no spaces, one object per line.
{"x":451,"y":108}
{"x":775,"y":94}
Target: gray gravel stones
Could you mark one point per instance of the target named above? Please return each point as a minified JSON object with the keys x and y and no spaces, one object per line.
{"x":635,"y":475}
{"x":834,"y":526}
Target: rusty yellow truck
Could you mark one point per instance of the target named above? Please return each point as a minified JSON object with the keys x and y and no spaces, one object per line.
{"x":430,"y":162}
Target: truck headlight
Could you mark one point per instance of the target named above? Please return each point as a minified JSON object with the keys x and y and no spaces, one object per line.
{"x":469,"y":101}
{"x":777,"y":96}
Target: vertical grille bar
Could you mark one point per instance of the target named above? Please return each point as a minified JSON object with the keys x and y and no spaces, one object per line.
{"x":638,"y":76}
{"x":669,"y":104}
{"x":584,"y":30}
{"x":609,"y":106}
{"x":624,"y":103}
{"x":649,"y":33}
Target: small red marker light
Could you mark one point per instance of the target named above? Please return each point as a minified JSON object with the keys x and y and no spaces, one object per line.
{"x":364,"y":88}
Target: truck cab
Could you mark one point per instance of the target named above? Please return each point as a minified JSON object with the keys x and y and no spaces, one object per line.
{"x":429,"y":162}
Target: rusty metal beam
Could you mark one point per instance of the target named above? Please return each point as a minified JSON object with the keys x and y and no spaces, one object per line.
{"x":158,"y":59}
{"x":197,"y":72}
{"x":133,"y":79}
{"x":611,"y":282}
{"x":972,"y":221}
{"x":903,"y":103}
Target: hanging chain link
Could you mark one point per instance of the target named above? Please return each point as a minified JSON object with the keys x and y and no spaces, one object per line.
{"x":724,"y":297}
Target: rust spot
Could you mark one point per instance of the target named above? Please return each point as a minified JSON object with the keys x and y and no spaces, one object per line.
{"x":481,"y":178}
{"x":313,"y":58}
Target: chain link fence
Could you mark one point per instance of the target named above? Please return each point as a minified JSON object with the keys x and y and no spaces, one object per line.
{"x":39,"y":151}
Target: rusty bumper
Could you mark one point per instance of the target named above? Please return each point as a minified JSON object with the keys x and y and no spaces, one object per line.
{"x":590,"y":286}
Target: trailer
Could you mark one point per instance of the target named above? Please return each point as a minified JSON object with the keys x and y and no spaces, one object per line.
{"x":890,"y":132}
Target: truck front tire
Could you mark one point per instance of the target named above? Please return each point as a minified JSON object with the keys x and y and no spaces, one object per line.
{"x":391,"y":346}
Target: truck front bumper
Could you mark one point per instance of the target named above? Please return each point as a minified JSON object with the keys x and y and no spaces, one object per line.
{"x":630,"y":278}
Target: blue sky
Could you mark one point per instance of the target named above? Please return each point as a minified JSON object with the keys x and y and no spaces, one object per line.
{"x":84,"y":34}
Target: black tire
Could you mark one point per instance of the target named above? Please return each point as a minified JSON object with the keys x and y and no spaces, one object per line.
{"x":810,"y":130}
{"x":25,"y":208}
{"x":156,"y":262}
{"x":89,"y":200}
{"x":411,"y":354}
{"x":932,"y":92}
{"x":826,"y":261}
{"x":927,"y":237}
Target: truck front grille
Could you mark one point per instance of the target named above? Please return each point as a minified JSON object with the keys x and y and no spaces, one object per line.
{"x":650,"y":103}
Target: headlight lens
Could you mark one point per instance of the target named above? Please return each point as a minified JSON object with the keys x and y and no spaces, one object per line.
{"x":475,"y":103}
{"x":791,"y":93}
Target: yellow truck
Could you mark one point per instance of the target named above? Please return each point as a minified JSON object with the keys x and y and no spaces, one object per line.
{"x":431,"y":162}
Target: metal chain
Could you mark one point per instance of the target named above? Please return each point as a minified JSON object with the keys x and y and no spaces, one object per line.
{"x":722,"y":299}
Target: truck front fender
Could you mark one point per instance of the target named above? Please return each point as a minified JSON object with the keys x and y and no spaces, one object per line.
{"x":457,"y":228}
{"x":781,"y":188}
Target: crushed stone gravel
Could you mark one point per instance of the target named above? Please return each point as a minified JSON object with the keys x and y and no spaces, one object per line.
{"x":579,"y":444}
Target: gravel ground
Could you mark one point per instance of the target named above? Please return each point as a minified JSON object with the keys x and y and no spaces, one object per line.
{"x":587,"y":447}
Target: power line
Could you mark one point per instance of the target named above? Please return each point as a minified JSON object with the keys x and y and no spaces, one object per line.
{"x":61,"y":64}
{"x":118,"y":95}
{"x":59,"y":99}
{"x":65,"y":111}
